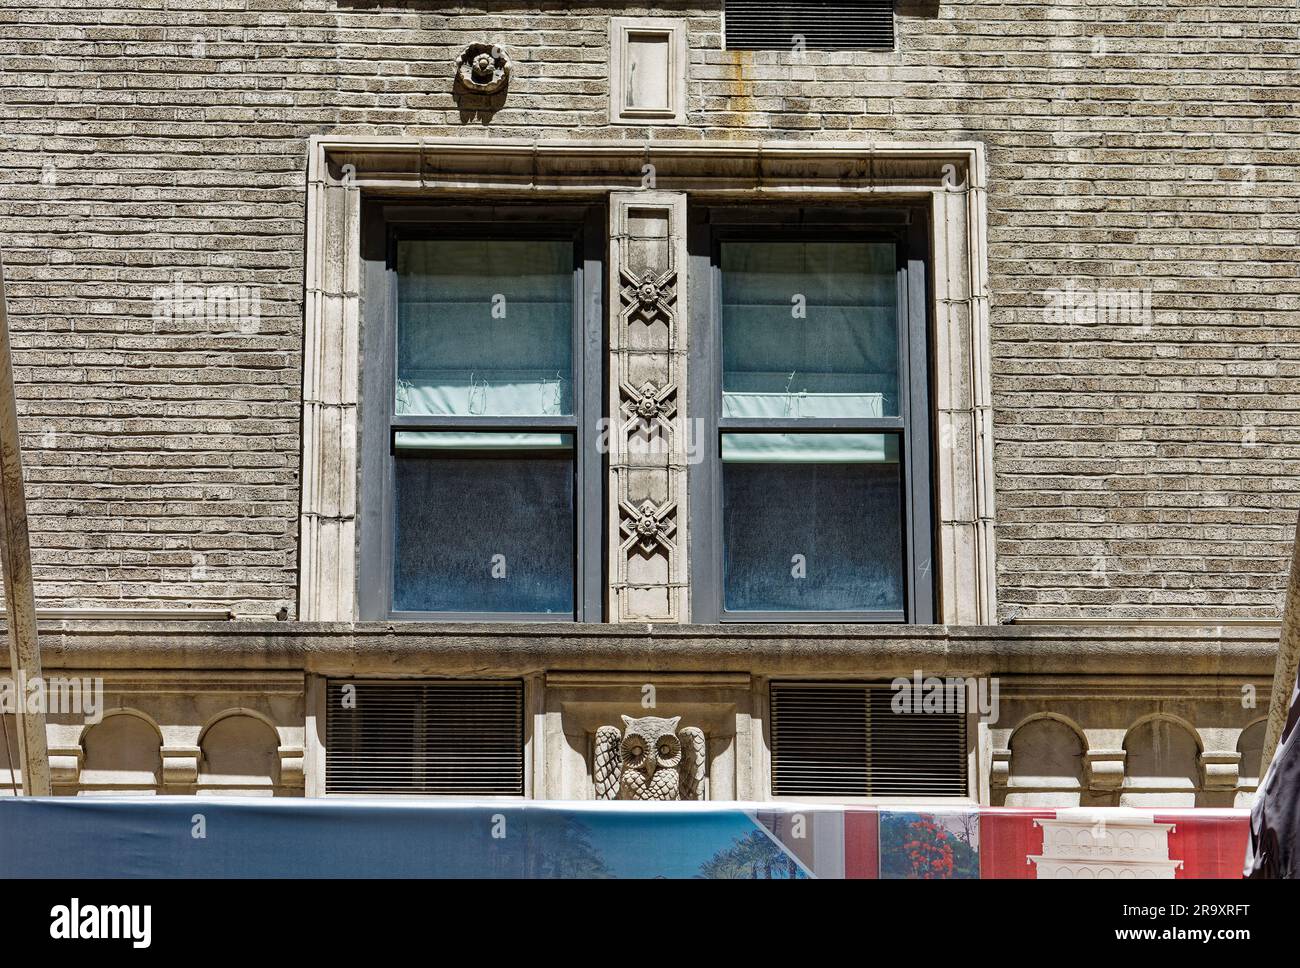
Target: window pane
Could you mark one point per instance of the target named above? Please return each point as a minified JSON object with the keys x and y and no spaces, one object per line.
{"x":484,"y":327}
{"x":809,"y":329}
{"x":812,"y":536}
{"x":484,"y":534}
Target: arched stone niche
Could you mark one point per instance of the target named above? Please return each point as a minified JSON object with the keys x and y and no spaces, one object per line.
{"x":1046,"y":765}
{"x":123,"y":754}
{"x":240,"y":756}
{"x":1161,"y":766}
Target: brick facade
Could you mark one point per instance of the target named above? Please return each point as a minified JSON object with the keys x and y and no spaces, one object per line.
{"x":1146,"y":458}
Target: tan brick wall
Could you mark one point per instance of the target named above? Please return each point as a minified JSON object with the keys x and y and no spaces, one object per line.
{"x":1139,"y":151}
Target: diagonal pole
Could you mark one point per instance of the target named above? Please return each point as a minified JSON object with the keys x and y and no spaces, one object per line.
{"x":1288,"y":658}
{"x":16,"y":560}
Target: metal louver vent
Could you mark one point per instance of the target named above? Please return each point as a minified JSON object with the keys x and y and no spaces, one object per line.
{"x":847,"y":741}
{"x":400,"y":736}
{"x":822,"y":24}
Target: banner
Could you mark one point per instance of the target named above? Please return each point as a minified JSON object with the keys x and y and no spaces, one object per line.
{"x":200,"y":837}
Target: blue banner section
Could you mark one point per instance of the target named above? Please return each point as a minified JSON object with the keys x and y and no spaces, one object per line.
{"x":161,"y":837}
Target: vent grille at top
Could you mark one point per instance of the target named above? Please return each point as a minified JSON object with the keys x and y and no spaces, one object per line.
{"x":811,"y":24}
{"x":847,"y":741}
{"x":401,"y":736}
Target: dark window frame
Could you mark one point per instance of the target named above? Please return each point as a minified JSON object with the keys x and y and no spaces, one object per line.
{"x":908,"y":228}
{"x":383,"y":224}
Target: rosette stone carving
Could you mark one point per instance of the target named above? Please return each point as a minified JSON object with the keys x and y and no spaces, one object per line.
{"x":648,"y":296}
{"x":648,"y":526}
{"x":648,"y":406}
{"x":483,"y":69}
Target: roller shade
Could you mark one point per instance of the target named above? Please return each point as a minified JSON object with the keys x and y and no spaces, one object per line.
{"x":832,"y":740}
{"x":823,"y":24}
{"x":810,"y":448}
{"x":402,"y":736}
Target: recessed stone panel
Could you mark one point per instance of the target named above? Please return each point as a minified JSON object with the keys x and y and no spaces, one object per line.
{"x":647,"y":70}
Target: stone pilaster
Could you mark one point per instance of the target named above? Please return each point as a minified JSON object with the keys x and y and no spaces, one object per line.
{"x":327,"y":574}
{"x":967,"y":589}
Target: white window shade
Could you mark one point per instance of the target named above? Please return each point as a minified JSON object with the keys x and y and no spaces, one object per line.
{"x":485,"y":392}
{"x":802,"y":404}
{"x":810,"y":448}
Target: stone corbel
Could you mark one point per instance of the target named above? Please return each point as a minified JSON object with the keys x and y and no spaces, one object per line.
{"x":1000,"y":769}
{"x":1103,"y":770}
{"x":291,"y":766}
{"x":65,"y":765}
{"x":1220,"y":770}
{"x":180,"y":765}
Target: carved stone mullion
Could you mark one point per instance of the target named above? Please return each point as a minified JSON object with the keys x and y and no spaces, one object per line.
{"x":647,"y":443}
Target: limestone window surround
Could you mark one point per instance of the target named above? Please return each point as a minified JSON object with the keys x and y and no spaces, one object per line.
{"x":654,"y":179}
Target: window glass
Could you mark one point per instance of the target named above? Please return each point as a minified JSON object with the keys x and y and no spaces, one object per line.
{"x":812,"y":522}
{"x":484,"y":327}
{"x":809,"y":329}
{"x":484,"y":534}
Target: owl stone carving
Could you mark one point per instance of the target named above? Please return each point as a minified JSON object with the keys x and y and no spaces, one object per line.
{"x":649,"y":759}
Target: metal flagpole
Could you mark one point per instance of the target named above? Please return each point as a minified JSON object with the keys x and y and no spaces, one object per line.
{"x":16,"y":559}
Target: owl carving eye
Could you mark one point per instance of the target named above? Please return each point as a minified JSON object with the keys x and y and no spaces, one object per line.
{"x":634,"y":750}
{"x":669,"y":750}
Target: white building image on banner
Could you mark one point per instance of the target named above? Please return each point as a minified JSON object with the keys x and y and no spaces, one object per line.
{"x":1119,"y":845}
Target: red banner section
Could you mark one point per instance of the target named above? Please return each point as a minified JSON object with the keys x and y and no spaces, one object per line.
{"x":1081,"y":843}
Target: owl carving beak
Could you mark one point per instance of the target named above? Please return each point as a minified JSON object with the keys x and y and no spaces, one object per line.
{"x":649,"y":767}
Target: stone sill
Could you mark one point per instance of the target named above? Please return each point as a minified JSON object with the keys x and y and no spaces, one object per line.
{"x":465,"y":649}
